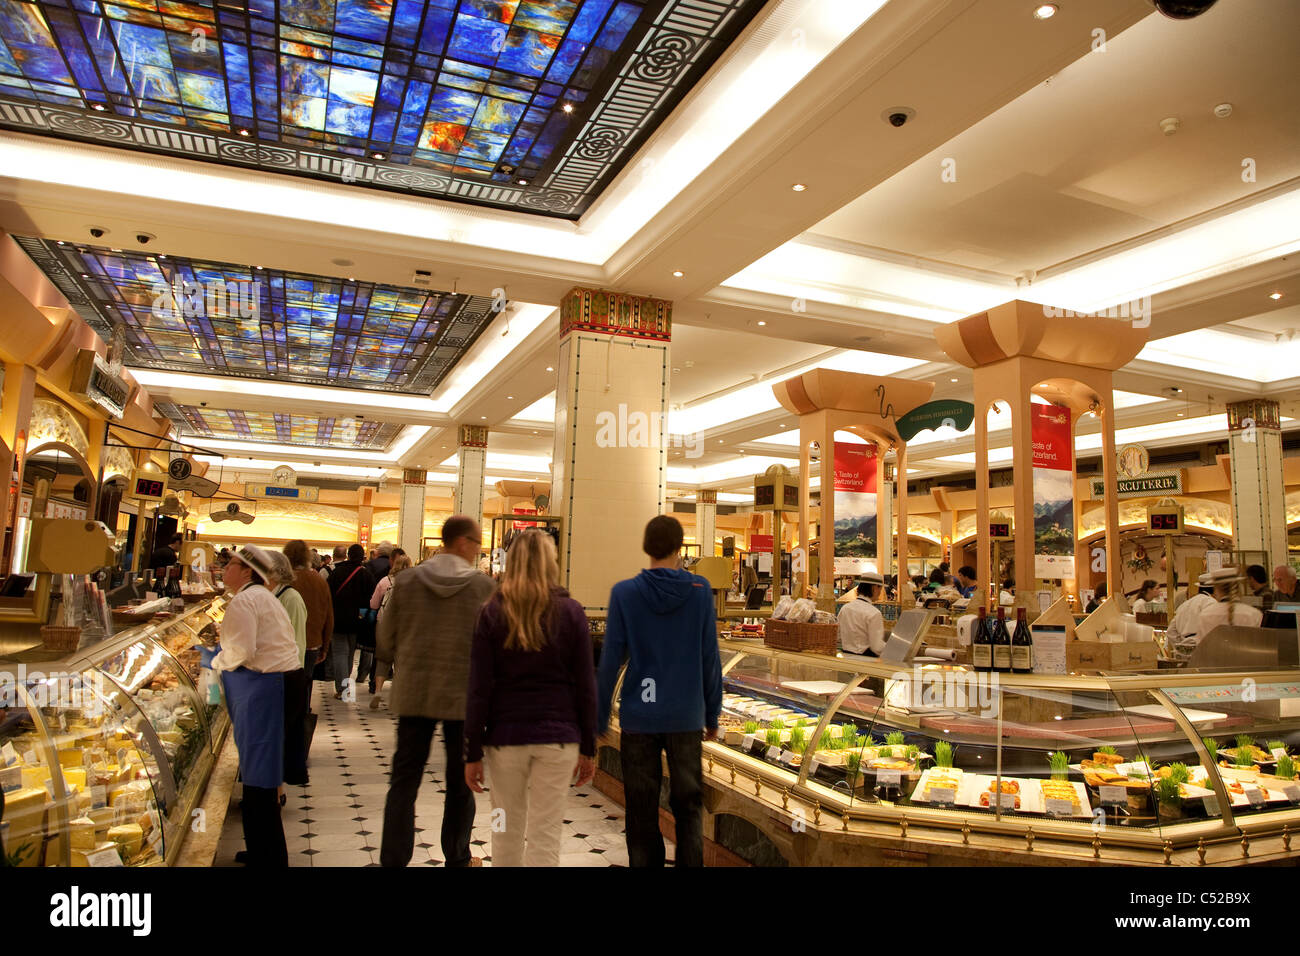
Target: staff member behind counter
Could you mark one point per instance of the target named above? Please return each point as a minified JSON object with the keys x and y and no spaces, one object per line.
{"x":1215,"y":604}
{"x":862,"y":626}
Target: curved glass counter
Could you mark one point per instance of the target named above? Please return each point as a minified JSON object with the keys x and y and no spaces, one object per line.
{"x":1150,"y":762}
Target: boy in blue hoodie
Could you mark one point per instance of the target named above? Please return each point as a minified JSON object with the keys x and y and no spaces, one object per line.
{"x":662,"y":622}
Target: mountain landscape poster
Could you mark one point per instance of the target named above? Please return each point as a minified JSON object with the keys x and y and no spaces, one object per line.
{"x":1053,"y":476}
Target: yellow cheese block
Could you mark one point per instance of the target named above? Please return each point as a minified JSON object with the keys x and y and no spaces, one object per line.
{"x":72,"y":757}
{"x":79,"y":856}
{"x":25,"y":800}
{"x":103,"y":817}
{"x":82,"y":833}
{"x":129,"y":837}
{"x":34,"y":777}
{"x":75,"y":777}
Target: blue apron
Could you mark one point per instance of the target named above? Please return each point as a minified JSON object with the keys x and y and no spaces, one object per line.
{"x":256,"y":705}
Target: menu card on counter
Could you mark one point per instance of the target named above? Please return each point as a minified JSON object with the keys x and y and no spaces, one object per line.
{"x":1049,"y":649}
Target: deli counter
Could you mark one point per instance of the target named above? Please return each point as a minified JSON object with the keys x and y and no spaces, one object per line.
{"x":831,"y":760}
{"x":105,"y":751}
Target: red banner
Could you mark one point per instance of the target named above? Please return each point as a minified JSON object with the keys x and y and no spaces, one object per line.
{"x":1051,"y":436}
{"x":855,"y":467}
{"x":760,"y":542}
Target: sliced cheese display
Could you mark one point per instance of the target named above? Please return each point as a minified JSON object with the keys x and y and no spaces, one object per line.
{"x":82,"y":833}
{"x":128,"y":836}
{"x":75,"y":777}
{"x":26,"y":800}
{"x":79,"y":857}
{"x":34,"y":777}
{"x":72,"y":757}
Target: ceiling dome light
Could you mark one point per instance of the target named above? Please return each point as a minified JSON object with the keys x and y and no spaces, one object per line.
{"x":549,"y":369}
{"x":798,"y":187}
{"x":377,"y":155}
{"x":243,"y":132}
{"x":762,"y":322}
{"x":568,"y":107}
{"x":522,"y":182}
{"x":100,"y":107}
{"x":678,"y":273}
{"x":1045,"y":11}
{"x":1275,"y":295}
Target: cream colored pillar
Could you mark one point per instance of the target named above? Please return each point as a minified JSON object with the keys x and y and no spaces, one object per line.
{"x":706,"y":521}
{"x":15,"y":416}
{"x":471,"y":468}
{"x":1258,"y":490}
{"x":410,"y":512}
{"x":610,"y":460}
{"x":885,"y":530}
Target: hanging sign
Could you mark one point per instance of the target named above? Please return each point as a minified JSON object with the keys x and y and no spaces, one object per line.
{"x":934,"y":415}
{"x":97,"y":383}
{"x":855,"y":486}
{"x":1053,"y":475}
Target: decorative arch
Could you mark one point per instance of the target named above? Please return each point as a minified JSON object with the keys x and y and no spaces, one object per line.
{"x":53,"y":424}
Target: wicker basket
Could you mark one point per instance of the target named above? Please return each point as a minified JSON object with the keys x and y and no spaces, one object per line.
{"x":58,"y":638}
{"x":789,"y":636}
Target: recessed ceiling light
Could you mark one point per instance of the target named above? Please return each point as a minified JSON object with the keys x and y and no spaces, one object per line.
{"x":761,"y":322}
{"x":953,"y":380}
{"x":1045,"y":11}
{"x":377,"y":155}
{"x":678,"y":273}
{"x":1275,"y":295}
{"x":1180,"y":414}
{"x":798,"y":187}
{"x":568,"y":107}
{"x":783,"y":426}
{"x":509,"y":397}
{"x":243,"y":132}
{"x":534,"y":431}
{"x":549,"y":369}
{"x":719,"y":441}
{"x":522,"y":182}
{"x":483,"y":417}
{"x":60,"y":242}
{"x":100,"y":106}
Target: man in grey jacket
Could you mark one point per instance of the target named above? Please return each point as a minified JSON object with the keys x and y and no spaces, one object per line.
{"x":426,"y":632}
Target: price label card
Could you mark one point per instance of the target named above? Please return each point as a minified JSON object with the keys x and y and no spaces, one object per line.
{"x":1278,"y":753}
{"x":789,"y":757}
{"x":122,"y":756}
{"x":773,"y":753}
{"x":1058,"y":808}
{"x":1292,"y":791}
{"x":99,"y":797}
{"x":1007,"y":801}
{"x":11,"y":778}
{"x":1211,"y":805}
{"x":814,"y":766}
{"x":888,"y":778}
{"x":943,"y":795}
{"x":105,"y":857}
{"x":89,"y":757}
{"x":29,"y":758}
{"x":1112,"y":796}
{"x":155,"y":837}
{"x":1254,"y":796}
{"x":747,"y":742}
{"x":8,"y":755}
{"x":49,"y":788}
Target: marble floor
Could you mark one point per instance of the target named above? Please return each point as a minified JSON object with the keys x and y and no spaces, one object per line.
{"x":336,"y":820}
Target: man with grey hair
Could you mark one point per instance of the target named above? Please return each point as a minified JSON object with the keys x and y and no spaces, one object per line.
{"x":1284,"y":583}
{"x":340,"y":555}
{"x":296,"y":682}
{"x":378,"y":565}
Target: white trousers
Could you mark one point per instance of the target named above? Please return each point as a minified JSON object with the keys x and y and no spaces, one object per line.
{"x":529,"y":784}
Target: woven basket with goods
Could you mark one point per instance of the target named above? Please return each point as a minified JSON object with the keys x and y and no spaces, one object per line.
{"x":788,"y":636}
{"x":59,"y":638}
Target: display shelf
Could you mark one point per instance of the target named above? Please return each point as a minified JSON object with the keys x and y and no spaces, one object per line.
{"x":860,"y":741}
{"x":107,"y":749}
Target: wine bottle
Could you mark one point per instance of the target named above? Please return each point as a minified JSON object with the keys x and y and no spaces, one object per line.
{"x":981,"y":651}
{"x":1001,"y":643}
{"x":1022,"y":646}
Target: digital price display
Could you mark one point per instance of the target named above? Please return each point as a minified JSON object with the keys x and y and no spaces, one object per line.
{"x":1165,"y":520}
{"x":150,"y":488}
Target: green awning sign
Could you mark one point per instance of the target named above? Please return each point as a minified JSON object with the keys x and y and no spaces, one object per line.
{"x":933,"y":415}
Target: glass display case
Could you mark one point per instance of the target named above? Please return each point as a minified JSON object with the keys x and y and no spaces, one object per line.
{"x":1151,"y":762}
{"x":105,"y":751}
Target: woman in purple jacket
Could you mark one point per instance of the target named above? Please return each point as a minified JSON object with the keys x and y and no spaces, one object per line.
{"x":531,"y":712}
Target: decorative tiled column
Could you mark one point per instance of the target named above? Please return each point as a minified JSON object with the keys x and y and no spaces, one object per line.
{"x":706,"y":520}
{"x":471,"y":468}
{"x":1258,"y":492}
{"x":365,"y":516}
{"x":15,"y":413}
{"x":610,"y":459}
{"x":410,"y":512}
{"x":885,"y":520}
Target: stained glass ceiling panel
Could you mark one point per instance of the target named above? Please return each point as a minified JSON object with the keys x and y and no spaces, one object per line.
{"x":279,"y":428}
{"x":218,"y":318}
{"x":524,"y":104}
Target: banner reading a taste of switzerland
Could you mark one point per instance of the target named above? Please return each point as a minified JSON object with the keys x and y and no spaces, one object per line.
{"x":1052,"y":437}
{"x":855,"y":507}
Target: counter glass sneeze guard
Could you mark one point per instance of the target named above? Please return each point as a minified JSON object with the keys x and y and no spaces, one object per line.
{"x":1067,"y":757}
{"x":132,"y":740}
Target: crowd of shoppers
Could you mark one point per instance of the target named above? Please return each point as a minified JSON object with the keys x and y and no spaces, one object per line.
{"x":504,"y":668}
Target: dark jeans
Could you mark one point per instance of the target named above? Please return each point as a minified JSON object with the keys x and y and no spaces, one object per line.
{"x":642,"y":780}
{"x":343,"y":648}
{"x":365,"y":665}
{"x":313,"y":657}
{"x":263,"y":831}
{"x":414,"y":737}
{"x":297,"y":687}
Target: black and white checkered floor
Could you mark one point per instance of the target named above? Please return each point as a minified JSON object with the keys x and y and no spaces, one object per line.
{"x":337,"y":819}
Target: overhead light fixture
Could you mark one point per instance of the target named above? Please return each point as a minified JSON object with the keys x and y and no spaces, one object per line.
{"x":798,"y":187}
{"x":509,"y":398}
{"x":243,"y":132}
{"x":483,"y":417}
{"x":522,"y":182}
{"x":568,"y":107}
{"x":1045,"y":11}
{"x":678,"y":273}
{"x":762,"y":322}
{"x":376,"y":155}
{"x":952,"y":380}
{"x":100,"y":107}
{"x":549,"y":369}
{"x":1275,"y":295}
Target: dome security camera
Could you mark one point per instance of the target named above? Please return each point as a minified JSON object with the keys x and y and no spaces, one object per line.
{"x":98,"y":232}
{"x":1182,"y":9}
{"x":143,"y":238}
{"x":897,"y":116}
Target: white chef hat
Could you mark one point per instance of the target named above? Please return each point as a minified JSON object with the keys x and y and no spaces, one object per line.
{"x":257,"y":559}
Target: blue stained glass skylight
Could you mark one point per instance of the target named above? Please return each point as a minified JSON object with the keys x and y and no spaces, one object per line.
{"x":280,"y":428}
{"x":531,"y":104}
{"x":217,"y":318}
